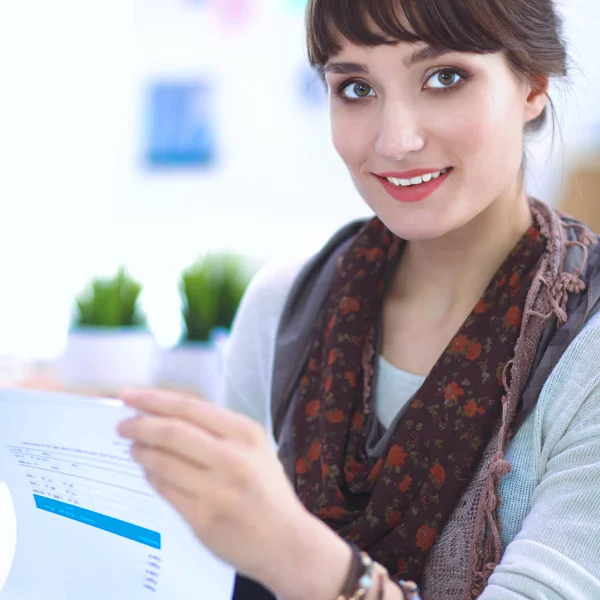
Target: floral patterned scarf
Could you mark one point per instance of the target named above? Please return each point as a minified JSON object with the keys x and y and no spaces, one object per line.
{"x":396,"y":507}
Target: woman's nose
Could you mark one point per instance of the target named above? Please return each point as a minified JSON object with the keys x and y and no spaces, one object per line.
{"x":399,"y":134}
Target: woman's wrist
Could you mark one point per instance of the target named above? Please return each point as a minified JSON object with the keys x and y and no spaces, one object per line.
{"x":313,"y":563}
{"x":390,"y":591}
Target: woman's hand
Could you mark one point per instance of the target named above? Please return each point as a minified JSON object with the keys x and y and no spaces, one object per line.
{"x":217,"y":469}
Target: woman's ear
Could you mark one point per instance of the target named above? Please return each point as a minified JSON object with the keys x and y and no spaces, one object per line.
{"x":537,"y":97}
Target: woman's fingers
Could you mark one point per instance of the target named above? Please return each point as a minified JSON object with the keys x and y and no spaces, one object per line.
{"x":182,"y":501}
{"x":168,"y":470}
{"x":174,"y":436}
{"x":207,"y":499}
{"x":215,"y":420}
{"x":217,"y":469}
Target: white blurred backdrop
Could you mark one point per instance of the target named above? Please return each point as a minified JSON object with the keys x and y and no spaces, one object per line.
{"x":77,"y":200}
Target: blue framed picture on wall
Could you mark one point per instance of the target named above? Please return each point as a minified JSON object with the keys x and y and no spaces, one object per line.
{"x":180,"y":125}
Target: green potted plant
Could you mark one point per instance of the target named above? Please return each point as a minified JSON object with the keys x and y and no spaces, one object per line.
{"x":199,"y":292}
{"x":211,"y":289}
{"x":109,"y":344}
{"x":236,"y":274}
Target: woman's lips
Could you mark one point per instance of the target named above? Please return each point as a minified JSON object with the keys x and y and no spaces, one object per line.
{"x":412,"y":193}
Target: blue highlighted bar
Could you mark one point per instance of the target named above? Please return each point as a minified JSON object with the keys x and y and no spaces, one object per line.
{"x":121,"y":528}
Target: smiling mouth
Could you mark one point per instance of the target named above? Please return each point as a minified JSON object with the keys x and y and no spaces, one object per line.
{"x":419,"y":180}
{"x":416,"y":188}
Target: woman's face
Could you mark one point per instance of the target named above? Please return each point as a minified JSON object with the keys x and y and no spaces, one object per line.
{"x":430,"y":140}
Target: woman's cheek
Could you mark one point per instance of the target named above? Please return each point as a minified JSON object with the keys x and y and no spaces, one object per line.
{"x":464,"y":129}
{"x":355,"y":128}
{"x":346,"y":138}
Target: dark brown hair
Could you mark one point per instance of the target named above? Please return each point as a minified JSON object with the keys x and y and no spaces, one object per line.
{"x":529,"y":32}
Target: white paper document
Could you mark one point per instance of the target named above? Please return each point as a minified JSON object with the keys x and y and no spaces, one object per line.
{"x":88,"y":524}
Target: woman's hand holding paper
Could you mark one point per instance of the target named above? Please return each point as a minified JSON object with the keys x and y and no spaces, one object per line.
{"x":218,"y":470}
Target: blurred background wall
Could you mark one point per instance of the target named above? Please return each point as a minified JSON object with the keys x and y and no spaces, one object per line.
{"x":84,"y":187}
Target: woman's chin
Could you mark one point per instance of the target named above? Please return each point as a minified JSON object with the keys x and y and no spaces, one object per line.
{"x":419,"y":228}
{"x":429,"y":219}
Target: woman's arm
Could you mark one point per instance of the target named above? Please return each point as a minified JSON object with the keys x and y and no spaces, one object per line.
{"x":246,"y":380}
{"x":218,"y":470}
{"x":556,"y":554}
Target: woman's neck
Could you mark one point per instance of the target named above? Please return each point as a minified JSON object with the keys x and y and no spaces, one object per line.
{"x":451,"y":273}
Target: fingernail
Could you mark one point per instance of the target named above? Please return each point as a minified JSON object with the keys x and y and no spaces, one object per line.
{"x":123,"y":427}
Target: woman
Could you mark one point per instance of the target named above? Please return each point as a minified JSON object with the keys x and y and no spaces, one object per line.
{"x":430,"y":377}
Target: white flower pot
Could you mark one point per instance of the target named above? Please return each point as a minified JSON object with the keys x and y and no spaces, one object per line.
{"x":109,"y":358}
{"x":193,"y":366}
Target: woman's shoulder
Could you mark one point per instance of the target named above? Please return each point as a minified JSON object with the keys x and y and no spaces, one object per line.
{"x":268,"y":290}
{"x":579,"y":366}
{"x":302,"y":281}
{"x":571,"y":394}
{"x":246,"y":378}
{"x":573,"y":383}
{"x":555,"y":480}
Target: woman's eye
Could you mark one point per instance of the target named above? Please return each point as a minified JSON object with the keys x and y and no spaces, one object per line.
{"x":357,"y":90}
{"x":445,"y":78}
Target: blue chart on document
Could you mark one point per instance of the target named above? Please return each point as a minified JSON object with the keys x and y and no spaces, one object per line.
{"x":81,"y":501}
{"x":72,"y":483}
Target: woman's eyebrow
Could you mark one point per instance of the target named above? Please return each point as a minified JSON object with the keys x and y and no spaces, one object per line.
{"x":421,"y":54}
{"x":345,"y":68}
{"x":425,"y":53}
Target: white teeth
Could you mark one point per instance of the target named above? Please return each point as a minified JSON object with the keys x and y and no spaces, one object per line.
{"x":417,"y":180}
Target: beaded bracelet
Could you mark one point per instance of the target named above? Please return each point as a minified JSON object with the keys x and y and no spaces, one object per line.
{"x":355,"y":572}
{"x":410,"y":590}
{"x":364,"y":573}
{"x":361,"y":576}
{"x":383,"y":576}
